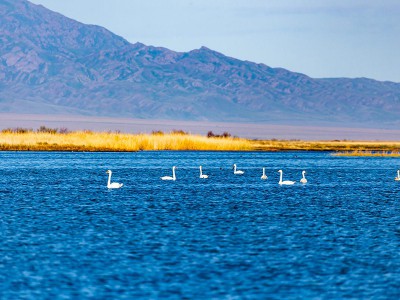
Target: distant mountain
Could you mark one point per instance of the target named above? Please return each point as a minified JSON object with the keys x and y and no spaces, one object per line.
{"x":50,"y":64}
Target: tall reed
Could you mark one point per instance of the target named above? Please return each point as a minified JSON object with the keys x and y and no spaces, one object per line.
{"x":53,"y":140}
{"x":92,"y":141}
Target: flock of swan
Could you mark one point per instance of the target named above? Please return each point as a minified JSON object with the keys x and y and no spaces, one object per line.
{"x":116,"y":185}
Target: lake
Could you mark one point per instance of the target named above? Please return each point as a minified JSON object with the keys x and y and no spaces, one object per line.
{"x":64,"y":235}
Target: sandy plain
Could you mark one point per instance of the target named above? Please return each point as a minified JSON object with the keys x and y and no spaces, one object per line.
{"x":243,"y":130}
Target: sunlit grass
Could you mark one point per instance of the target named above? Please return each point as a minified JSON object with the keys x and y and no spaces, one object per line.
{"x":340,"y":147}
{"x":47,"y":139}
{"x":92,"y":141}
{"x":369,"y":153}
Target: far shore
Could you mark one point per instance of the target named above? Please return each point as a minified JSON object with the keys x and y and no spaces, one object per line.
{"x":266,"y":131}
{"x":54,"y":139}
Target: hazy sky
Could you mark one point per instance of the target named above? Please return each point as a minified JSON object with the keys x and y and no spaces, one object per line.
{"x":320,"y":38}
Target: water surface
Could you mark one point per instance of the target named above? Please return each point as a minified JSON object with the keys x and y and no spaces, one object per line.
{"x":65,"y":235}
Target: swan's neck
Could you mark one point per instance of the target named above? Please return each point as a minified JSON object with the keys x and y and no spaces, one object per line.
{"x":109,"y":178}
{"x":173,"y":173}
{"x":280,"y":177}
{"x":263,"y":171}
{"x":234,"y":168}
{"x":201,"y":172}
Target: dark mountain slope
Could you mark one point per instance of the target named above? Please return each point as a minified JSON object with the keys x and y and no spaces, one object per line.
{"x":52,"y":64}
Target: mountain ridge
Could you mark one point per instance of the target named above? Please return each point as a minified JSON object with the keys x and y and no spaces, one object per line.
{"x":52,"y":64}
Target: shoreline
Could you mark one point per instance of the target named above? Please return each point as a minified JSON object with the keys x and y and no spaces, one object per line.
{"x":88,"y":141}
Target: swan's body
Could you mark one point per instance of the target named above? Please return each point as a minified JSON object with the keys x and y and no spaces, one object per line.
{"x":263,"y":176}
{"x":112,"y":185}
{"x":303,"y":179}
{"x":286,"y":182}
{"x":201,"y":174}
{"x":398,"y":176}
{"x":169,"y":177}
{"x":237,"y":172}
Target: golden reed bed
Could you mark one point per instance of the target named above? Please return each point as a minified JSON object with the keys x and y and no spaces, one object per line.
{"x":369,"y":153}
{"x":353,"y":148}
{"x":101,"y":141}
{"x":92,"y":141}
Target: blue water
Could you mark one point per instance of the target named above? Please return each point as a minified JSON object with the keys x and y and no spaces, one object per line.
{"x":64,"y":235}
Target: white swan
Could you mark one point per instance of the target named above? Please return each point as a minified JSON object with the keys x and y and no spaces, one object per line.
{"x":303,"y":179}
{"x":237,"y":172}
{"x":201,"y":174}
{"x":398,"y":176}
{"x":286,"y":182}
{"x":169,"y":177}
{"x":263,"y":176}
{"x":112,"y":185}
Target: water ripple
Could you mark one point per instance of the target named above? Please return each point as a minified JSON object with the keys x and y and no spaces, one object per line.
{"x":65,"y":235}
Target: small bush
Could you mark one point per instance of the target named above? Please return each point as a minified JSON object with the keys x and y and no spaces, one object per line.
{"x":225,"y":134}
{"x":19,"y":130}
{"x":157,"y":132}
{"x":178,"y":132}
{"x":44,"y":129}
{"x":7,"y":130}
{"x":63,"y":130}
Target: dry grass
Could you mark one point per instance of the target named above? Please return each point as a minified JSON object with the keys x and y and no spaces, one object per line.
{"x":369,"y":153}
{"x":91,"y":141}
{"x":345,"y":147}
{"x":94,"y":141}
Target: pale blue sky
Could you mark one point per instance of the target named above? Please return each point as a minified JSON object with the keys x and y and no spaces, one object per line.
{"x":320,"y":38}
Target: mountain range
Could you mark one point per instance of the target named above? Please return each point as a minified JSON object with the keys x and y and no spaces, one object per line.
{"x":51,"y":64}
